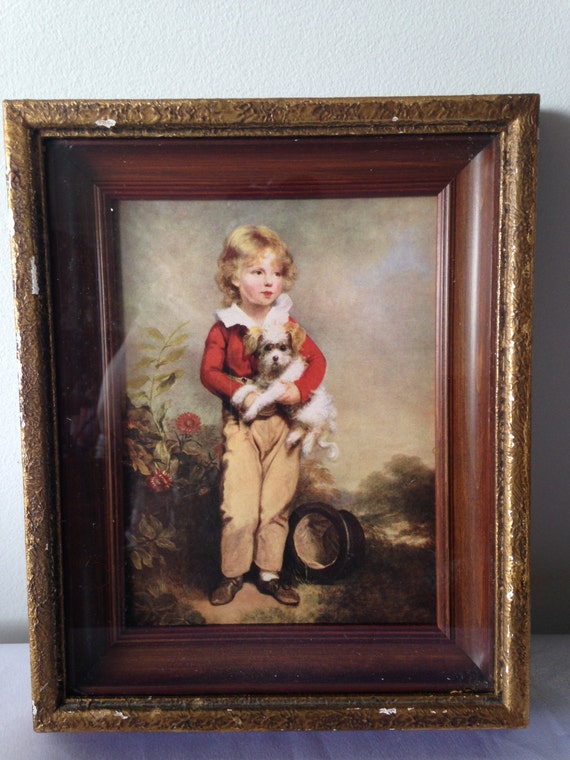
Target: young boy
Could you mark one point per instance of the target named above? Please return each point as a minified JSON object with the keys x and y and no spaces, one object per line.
{"x":260,"y":472}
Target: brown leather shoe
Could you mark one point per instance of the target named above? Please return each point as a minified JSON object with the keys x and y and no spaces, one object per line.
{"x":226,"y":591}
{"x":276,"y":589}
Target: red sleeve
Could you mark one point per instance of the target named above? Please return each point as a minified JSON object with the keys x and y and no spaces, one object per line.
{"x":216,"y":376}
{"x":212,"y":372}
{"x":316,"y":367}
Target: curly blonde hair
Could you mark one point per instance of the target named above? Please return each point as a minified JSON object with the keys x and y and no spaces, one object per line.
{"x":244,"y":247}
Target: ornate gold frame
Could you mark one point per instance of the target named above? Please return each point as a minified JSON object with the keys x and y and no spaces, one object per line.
{"x":508,"y":122}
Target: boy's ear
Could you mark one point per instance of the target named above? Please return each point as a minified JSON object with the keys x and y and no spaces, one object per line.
{"x":297,"y":335}
{"x":251,"y":339}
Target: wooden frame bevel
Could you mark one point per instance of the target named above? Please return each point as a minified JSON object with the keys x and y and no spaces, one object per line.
{"x":472,"y":669}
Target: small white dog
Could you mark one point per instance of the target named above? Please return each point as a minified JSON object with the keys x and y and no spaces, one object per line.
{"x":277,"y":348}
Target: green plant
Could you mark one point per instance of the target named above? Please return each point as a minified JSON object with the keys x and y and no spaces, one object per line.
{"x":167,"y":450}
{"x":149,"y":540}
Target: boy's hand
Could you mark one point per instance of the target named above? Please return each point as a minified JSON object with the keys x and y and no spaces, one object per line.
{"x":292,"y":395}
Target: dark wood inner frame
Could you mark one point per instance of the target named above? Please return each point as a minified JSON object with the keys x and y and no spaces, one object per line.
{"x":85,"y":179}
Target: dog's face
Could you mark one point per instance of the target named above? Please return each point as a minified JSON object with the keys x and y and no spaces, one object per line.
{"x":275,"y":346}
{"x":274,"y":357}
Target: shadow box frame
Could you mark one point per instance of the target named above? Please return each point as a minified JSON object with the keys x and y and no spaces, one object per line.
{"x":67,"y":163}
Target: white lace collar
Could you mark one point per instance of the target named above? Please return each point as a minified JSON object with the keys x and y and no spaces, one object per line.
{"x":278,"y":314}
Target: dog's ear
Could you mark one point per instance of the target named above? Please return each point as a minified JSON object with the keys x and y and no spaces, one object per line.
{"x":251,"y":339}
{"x":297,"y":335}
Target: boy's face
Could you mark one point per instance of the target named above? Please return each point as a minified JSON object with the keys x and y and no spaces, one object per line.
{"x":261,"y":283}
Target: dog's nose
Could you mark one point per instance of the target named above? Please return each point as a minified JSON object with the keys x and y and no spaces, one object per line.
{"x":275,"y":359}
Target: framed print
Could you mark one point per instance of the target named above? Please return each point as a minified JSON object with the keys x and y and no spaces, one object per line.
{"x":275,"y":374}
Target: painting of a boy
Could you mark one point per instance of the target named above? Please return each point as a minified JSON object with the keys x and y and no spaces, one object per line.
{"x":213,"y":507}
{"x":260,"y":471}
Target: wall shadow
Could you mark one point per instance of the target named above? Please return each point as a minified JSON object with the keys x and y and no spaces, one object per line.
{"x":550,"y":525}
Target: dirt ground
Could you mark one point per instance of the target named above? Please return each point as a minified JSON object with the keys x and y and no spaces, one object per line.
{"x":393,"y":584}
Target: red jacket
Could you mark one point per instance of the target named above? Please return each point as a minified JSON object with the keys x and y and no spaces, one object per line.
{"x":225,"y":358}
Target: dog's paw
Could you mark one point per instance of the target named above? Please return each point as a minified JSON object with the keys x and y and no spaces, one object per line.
{"x":308,"y":444}
{"x":241,"y":394}
{"x":331,"y":448}
{"x":293,"y":439}
{"x":250,"y":414}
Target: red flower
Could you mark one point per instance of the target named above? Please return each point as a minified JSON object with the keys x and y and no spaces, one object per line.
{"x":188,"y":424}
{"x":159,"y":481}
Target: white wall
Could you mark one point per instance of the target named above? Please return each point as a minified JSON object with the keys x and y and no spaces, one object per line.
{"x":269,"y":48}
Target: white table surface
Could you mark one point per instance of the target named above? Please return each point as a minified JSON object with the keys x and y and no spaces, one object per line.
{"x":547,"y":738}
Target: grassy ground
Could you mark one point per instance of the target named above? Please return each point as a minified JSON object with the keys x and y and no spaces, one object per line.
{"x":394,"y":583}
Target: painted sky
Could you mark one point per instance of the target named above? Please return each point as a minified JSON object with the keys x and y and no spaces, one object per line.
{"x":365,"y":294}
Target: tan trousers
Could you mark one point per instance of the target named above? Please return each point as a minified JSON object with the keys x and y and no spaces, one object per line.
{"x":259,"y":481}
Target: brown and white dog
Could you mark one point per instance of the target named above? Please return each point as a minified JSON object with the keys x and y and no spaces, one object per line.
{"x":277,"y":349}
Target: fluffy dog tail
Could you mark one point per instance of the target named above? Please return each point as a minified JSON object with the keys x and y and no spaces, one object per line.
{"x":331,"y":448}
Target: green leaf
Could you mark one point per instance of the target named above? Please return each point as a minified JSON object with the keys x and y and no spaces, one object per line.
{"x":191,"y":447}
{"x":167,"y":383}
{"x":142,"y":347}
{"x":145,"y":361}
{"x":137,"y":382}
{"x":162,"y":454}
{"x":158,"y":379}
{"x":160,"y":412}
{"x":156,"y":524}
{"x":166,"y":543}
{"x":172,"y":356}
{"x":176,"y":330}
{"x":155,"y":334}
{"x":138,"y":456}
{"x":173,"y":446}
{"x":179,"y":339}
{"x":146,"y":529}
{"x":136,"y":559}
{"x":147,"y":558}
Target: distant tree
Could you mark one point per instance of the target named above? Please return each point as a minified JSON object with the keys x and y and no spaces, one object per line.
{"x":316,"y":483}
{"x":404,"y":489}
